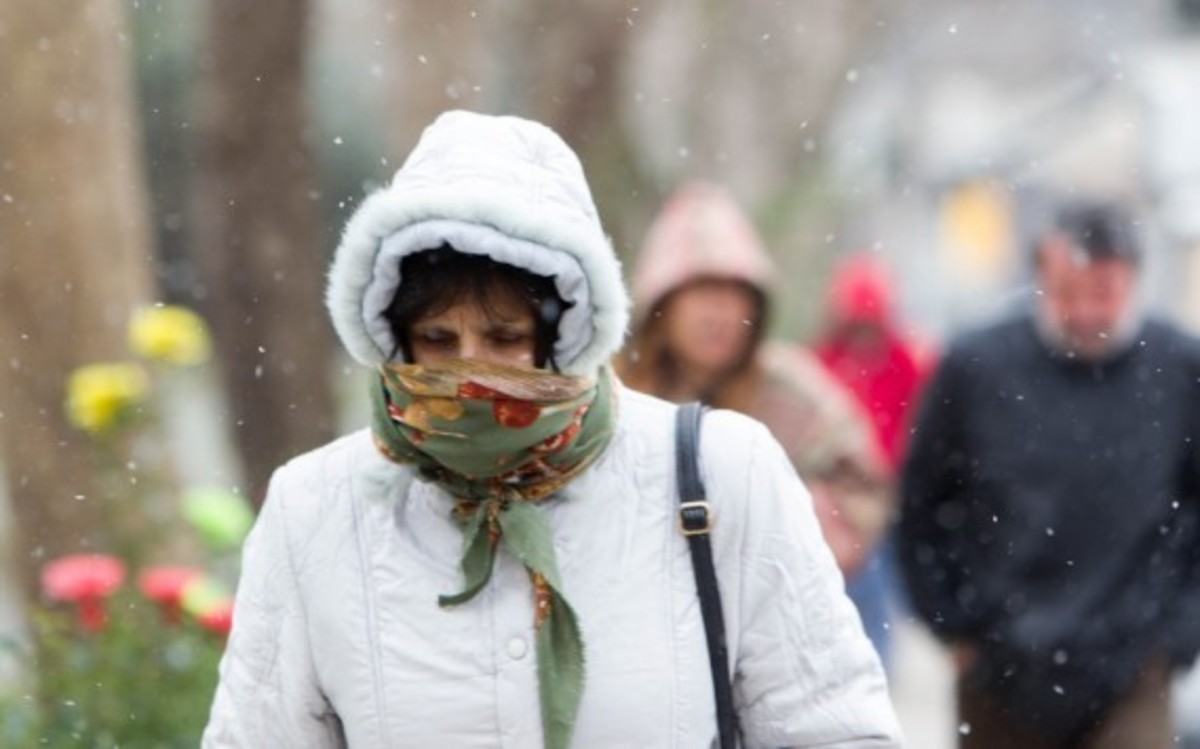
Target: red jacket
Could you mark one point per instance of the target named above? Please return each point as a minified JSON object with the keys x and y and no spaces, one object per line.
{"x":863,"y":348}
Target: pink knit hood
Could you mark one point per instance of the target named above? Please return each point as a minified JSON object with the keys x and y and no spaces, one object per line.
{"x":700,"y":233}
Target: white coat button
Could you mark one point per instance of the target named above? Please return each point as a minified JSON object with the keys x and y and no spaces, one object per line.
{"x":517,"y":648}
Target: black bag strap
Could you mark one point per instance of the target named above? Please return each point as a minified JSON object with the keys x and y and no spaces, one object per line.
{"x":695,"y":522}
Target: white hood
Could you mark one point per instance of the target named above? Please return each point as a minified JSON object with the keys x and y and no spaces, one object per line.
{"x":503,"y":187}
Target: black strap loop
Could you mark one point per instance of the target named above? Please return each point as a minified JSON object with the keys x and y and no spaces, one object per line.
{"x":695,"y":522}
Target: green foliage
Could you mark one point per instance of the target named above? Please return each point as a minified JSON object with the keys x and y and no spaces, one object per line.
{"x":141,"y":682}
{"x":134,"y":667}
{"x":143,"y":676}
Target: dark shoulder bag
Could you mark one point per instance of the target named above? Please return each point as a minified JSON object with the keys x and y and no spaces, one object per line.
{"x":695,"y":522}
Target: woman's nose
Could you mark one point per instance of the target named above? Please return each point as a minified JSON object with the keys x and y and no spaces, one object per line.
{"x":470,"y":347}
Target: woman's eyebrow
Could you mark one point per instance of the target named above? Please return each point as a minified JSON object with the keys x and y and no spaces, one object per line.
{"x":509,"y":324}
{"x":432,"y":327}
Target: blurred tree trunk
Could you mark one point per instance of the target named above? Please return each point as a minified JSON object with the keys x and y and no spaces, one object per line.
{"x":568,"y":70}
{"x":441,"y":62}
{"x":559,"y":64}
{"x":565,"y":64}
{"x":257,"y":240}
{"x":75,"y":253}
{"x":741,"y":92}
{"x":553,"y":62}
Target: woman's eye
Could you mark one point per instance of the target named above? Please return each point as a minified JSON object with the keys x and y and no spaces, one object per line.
{"x":433,"y":338}
{"x":509,"y":338}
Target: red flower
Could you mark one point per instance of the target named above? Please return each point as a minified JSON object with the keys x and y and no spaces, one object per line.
{"x":85,"y":580}
{"x":218,"y":619}
{"x":515,"y":414}
{"x":164,"y":586}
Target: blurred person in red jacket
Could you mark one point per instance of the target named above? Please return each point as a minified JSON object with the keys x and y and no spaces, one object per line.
{"x":701,"y":300}
{"x":863,"y":346}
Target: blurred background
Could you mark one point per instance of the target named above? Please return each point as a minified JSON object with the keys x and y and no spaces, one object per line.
{"x":204,"y":155}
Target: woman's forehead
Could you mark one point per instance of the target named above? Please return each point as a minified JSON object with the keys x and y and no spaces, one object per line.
{"x":503,"y":307}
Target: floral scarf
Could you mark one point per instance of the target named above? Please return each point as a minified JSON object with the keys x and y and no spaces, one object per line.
{"x":500,"y":439}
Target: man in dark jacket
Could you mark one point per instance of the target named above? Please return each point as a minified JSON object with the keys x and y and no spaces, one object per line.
{"x":1050,"y":528}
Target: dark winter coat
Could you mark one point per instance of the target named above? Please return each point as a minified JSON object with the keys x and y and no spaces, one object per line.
{"x":1050,"y":514}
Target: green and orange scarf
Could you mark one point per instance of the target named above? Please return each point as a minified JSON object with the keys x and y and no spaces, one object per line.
{"x":500,"y":439}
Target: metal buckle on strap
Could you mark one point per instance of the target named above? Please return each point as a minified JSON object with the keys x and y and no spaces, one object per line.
{"x":695,"y":518}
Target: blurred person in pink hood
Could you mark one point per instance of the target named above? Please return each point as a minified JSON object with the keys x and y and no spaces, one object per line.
{"x":701,"y":299}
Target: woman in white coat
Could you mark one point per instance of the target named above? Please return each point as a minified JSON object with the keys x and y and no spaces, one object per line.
{"x":496,"y":562}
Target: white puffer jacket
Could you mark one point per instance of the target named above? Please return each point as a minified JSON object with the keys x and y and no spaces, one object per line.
{"x":339,"y":640}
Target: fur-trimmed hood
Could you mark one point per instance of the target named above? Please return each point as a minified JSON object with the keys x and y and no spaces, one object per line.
{"x":503,"y":187}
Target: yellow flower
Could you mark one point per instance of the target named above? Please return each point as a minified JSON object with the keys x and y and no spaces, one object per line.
{"x":98,"y":395}
{"x":170,"y":334}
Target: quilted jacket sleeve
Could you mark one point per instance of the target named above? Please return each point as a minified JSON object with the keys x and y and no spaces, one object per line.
{"x":805,"y":674}
{"x":268,"y":694}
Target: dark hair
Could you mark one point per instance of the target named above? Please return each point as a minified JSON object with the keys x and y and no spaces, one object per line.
{"x":1103,"y":231}
{"x":434,"y":280}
